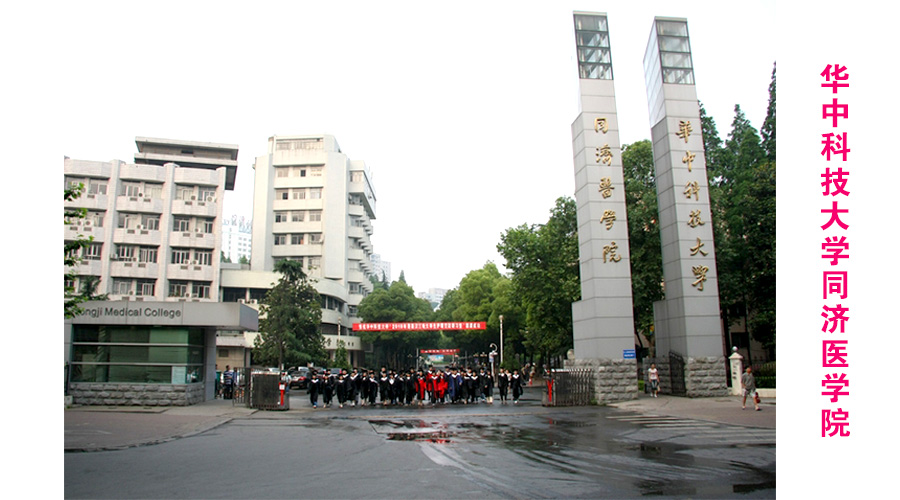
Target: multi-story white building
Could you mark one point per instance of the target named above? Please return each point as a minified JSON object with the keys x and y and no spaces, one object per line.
{"x":155,"y":222}
{"x":314,"y":205}
{"x":237,"y":238}
{"x":381,"y":268}
{"x":434,"y":295}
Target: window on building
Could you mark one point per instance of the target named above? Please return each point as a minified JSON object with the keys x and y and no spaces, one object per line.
{"x":121,"y":286}
{"x":314,"y":262}
{"x":315,"y":193}
{"x":356,"y":176}
{"x":200,"y":289}
{"x":96,"y":218}
{"x":299,"y":194}
{"x":296,"y":239}
{"x":132,"y":189}
{"x":184,"y":192}
{"x":137,"y":354}
{"x":203,"y":257}
{"x":207,"y":194}
{"x":282,"y":171}
{"x":92,"y":251}
{"x":280,"y":239}
{"x":96,"y":186}
{"x":281,"y":217}
{"x":282,"y":194}
{"x":315,"y":216}
{"x":315,"y":239}
{"x":178,"y":288}
{"x":151,"y":222}
{"x":182,"y":224}
{"x":207,"y":225}
{"x":153,"y":190}
{"x":148,"y":254}
{"x":181,"y":256}
{"x":125,"y":252}
{"x":297,"y":216}
{"x":145,"y":288}
{"x":315,"y":171}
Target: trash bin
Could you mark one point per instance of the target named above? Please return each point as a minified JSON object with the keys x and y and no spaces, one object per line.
{"x":268,"y":392}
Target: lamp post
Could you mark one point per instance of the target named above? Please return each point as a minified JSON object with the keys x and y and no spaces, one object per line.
{"x":501,"y":340}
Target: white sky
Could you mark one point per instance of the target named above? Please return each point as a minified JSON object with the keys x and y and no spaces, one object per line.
{"x":462,"y":111}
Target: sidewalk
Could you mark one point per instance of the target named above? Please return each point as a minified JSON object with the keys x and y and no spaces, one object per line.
{"x":97,"y":428}
{"x":724,"y":410}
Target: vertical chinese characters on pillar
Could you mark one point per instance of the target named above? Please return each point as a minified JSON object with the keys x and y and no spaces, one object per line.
{"x":835,"y":384}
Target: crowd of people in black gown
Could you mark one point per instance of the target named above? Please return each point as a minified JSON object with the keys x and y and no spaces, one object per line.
{"x":452,"y":385}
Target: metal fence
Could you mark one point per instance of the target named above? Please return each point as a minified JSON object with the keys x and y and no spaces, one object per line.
{"x":570,"y":387}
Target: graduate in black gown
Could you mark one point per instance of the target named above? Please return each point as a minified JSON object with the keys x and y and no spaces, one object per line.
{"x":373,"y":388}
{"x":314,"y":387}
{"x":516,"y":381}
{"x":503,"y":384}
{"x":327,"y":388}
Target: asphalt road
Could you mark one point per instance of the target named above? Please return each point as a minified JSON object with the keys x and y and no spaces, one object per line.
{"x":473,"y":451}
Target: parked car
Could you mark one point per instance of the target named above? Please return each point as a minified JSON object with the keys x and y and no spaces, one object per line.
{"x":299,"y":378}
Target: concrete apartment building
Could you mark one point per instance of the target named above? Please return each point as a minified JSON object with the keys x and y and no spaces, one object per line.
{"x":156,"y":222}
{"x":311,"y":204}
{"x":156,"y":225}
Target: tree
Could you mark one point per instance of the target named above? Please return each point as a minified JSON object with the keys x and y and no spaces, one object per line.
{"x":768,"y":128}
{"x":72,"y":254}
{"x":397,"y":304}
{"x":643,"y":233}
{"x":341,"y":356}
{"x":543,"y":260}
{"x":290,"y":318}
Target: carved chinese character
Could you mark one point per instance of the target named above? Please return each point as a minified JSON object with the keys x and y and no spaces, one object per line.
{"x":698,"y":249}
{"x":695,"y":219}
{"x":604,"y":154}
{"x":610,"y":251}
{"x":601,"y":125}
{"x":606,"y":187}
{"x":689,"y":160}
{"x":692,"y":189}
{"x":700,"y":274}
{"x":609,"y":216}
{"x":684,"y":130}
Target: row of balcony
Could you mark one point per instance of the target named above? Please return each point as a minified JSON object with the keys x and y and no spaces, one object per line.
{"x":140,"y":204}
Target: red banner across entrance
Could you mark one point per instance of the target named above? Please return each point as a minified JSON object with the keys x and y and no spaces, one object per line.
{"x":438,"y":351}
{"x":413,"y":327}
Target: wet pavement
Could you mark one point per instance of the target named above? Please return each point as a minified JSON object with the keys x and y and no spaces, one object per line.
{"x":671,"y":447}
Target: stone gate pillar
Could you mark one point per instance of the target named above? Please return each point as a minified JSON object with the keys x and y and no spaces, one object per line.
{"x":691,"y":311}
{"x":603,"y":325}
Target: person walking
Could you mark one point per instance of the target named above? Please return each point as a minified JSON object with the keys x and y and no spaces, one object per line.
{"x":653,"y":378}
{"x":515,"y":383}
{"x":503,"y":384}
{"x":313,"y":387}
{"x":749,"y":385}
{"x":228,"y":382}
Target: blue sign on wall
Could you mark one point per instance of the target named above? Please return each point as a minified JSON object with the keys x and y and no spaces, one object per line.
{"x":629,"y":354}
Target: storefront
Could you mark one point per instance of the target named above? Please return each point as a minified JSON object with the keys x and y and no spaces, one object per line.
{"x":126,"y":353}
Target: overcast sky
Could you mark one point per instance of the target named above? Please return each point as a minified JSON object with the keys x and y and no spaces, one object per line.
{"x":462,"y":111}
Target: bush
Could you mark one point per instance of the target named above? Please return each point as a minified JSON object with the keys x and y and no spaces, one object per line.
{"x":765,"y":382}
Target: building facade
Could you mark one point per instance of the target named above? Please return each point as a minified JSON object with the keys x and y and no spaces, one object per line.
{"x":314,"y":205}
{"x":155,"y":222}
{"x":237,"y":238}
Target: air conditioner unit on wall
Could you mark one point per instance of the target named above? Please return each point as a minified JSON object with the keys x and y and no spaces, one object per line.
{"x":210,"y":199}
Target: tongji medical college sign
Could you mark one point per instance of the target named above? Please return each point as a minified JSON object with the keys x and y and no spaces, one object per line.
{"x":415,"y":327}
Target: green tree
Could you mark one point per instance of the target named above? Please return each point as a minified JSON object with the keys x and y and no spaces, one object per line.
{"x":290,"y":318}
{"x":397,"y":304}
{"x":543,"y":261}
{"x":643,"y":233}
{"x":341,"y":356}
{"x":768,"y":129}
{"x":742,"y":200}
{"x":72,"y":254}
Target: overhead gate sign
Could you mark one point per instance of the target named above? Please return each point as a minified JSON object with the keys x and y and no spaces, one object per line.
{"x":414,"y":327}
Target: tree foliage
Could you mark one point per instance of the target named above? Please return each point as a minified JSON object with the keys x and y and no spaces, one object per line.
{"x":397,"y":304}
{"x":72,"y":250}
{"x":543,"y":261}
{"x":643,"y":232}
{"x":290,"y":317}
{"x":742,"y":200}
